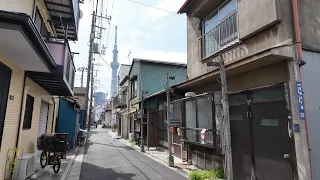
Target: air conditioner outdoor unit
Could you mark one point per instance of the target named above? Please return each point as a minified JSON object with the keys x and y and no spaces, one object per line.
{"x":25,"y":167}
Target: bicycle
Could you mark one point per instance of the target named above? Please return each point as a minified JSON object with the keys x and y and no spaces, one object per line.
{"x":54,"y":147}
{"x":54,"y":159}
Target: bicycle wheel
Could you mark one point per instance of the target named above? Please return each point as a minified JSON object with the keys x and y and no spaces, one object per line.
{"x":43,"y":160}
{"x":56,"y":165}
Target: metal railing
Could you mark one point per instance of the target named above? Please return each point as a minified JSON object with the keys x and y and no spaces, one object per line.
{"x":193,"y":135}
{"x":220,"y":37}
{"x":120,"y":100}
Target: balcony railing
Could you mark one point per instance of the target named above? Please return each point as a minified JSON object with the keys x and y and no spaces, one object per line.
{"x":220,"y":37}
{"x":61,"y":80}
{"x":194,"y":135}
{"x":62,"y":55}
{"x":120,"y":101}
{"x":65,"y":16}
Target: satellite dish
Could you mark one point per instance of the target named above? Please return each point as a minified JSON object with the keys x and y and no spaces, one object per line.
{"x":81,"y":14}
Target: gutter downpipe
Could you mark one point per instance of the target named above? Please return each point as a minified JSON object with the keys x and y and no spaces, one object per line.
{"x":54,"y":111}
{"x":297,"y":67}
{"x":21,"y":107}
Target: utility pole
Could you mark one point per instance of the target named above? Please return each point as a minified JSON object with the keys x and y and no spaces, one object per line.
{"x":170,"y":157}
{"x":141,"y":120}
{"x":91,"y":97}
{"x":92,"y":36}
{"x":226,"y":147}
{"x":226,"y":119}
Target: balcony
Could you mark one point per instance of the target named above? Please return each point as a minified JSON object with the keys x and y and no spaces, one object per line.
{"x":120,"y":101}
{"x":65,"y":15}
{"x":61,"y":80}
{"x":223,"y":35}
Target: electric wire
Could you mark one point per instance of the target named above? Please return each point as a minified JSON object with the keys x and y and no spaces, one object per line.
{"x":152,"y":6}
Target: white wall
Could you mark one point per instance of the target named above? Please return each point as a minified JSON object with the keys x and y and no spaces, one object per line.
{"x":108,"y":118}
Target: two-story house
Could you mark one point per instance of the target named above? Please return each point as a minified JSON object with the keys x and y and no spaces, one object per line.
{"x":269,"y":49}
{"x":120,"y":101}
{"x":35,"y":64}
{"x":147,"y":77}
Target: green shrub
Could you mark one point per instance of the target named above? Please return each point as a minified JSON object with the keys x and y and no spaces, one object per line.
{"x":207,"y":174}
{"x":133,"y":143}
{"x":218,"y":172}
{"x":194,"y":175}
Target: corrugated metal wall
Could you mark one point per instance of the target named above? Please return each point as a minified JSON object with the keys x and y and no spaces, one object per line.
{"x":66,"y":122}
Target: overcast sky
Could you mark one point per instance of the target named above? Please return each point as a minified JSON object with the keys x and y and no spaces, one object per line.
{"x":149,"y":33}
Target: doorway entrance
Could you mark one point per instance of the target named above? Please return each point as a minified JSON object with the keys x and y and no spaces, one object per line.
{"x":260,"y":136}
{"x":5,"y":77}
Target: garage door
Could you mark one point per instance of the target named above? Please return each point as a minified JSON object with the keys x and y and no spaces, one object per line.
{"x":259,"y":135}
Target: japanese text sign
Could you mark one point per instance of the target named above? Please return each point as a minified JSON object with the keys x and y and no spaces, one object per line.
{"x":301,"y":101}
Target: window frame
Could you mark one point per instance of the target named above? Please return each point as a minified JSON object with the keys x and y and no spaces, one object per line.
{"x":27,"y":123}
{"x":134,"y":87}
{"x":197,"y":120}
{"x":38,"y":17}
{"x":206,"y":18}
{"x":43,"y":28}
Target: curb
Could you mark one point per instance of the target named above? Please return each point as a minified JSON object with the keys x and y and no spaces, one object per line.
{"x":69,"y":167}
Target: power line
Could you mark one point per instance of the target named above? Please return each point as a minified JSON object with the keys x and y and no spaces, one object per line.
{"x":152,"y":6}
{"x":110,"y":23}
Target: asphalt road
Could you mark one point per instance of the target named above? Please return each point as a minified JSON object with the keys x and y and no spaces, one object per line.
{"x":106,"y":158}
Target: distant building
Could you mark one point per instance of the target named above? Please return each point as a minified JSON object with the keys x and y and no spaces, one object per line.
{"x":80,"y":96}
{"x":100,"y":98}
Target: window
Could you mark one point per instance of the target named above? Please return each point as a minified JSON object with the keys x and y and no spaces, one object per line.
{"x":198,"y":114}
{"x":40,"y":24}
{"x":134,"y":88}
{"x":219,"y":29}
{"x":28,"y":112}
{"x":38,"y":20}
{"x":162,"y":126}
{"x":269,"y":122}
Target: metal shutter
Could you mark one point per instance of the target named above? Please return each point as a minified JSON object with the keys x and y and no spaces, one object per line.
{"x":42,"y":127}
{"x":43,"y":118}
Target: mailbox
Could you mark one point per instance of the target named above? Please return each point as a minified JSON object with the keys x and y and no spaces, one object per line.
{"x":203,"y":136}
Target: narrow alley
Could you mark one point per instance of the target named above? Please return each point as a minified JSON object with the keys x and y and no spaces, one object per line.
{"x":107,"y":158}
